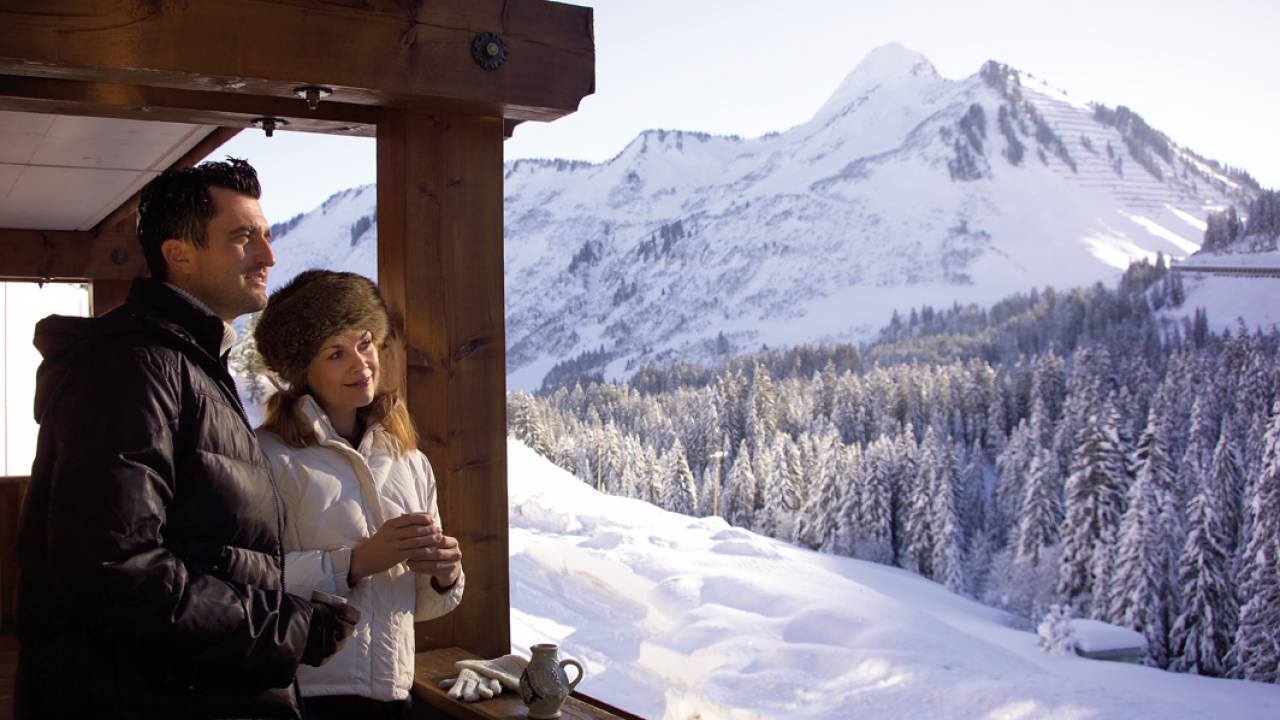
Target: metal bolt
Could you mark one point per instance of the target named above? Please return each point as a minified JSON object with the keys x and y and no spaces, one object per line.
{"x":492,"y":49}
{"x":313,"y":94}
{"x":269,"y":124}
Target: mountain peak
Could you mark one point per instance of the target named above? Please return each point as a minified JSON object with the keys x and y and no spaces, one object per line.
{"x":892,"y":62}
{"x":886,"y":65}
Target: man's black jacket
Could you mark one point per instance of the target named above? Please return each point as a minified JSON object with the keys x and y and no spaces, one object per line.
{"x":151,"y":573}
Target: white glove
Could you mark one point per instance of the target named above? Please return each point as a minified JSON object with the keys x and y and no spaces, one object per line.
{"x":506,"y":669}
{"x":471,"y":687}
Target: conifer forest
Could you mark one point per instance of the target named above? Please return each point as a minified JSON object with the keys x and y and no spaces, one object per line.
{"x":1060,"y":452}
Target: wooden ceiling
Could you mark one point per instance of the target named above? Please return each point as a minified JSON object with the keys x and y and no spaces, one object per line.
{"x":61,"y":172}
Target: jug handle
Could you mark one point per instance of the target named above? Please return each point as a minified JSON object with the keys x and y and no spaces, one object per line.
{"x":576,"y":680}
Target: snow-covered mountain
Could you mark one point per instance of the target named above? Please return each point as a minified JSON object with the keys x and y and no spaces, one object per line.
{"x":679,"y":617}
{"x":904,"y":189}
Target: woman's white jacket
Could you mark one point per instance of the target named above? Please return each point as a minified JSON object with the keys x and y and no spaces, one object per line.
{"x":336,"y":497}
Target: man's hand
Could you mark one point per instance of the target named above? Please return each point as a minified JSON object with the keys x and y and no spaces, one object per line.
{"x":331,"y":625}
{"x":396,"y":541}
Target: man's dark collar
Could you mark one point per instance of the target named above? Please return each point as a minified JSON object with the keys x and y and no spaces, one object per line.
{"x":173,"y":306}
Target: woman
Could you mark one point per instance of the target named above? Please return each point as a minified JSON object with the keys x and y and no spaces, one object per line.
{"x":360,"y":499}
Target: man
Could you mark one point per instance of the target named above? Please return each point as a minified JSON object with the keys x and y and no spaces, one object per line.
{"x":151,"y":572}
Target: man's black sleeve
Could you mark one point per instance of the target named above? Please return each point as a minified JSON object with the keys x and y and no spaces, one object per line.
{"x":112,"y":483}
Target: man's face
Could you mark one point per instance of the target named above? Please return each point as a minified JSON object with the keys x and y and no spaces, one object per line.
{"x":229,"y":274}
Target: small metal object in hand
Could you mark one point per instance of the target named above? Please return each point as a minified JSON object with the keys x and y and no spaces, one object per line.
{"x":344,"y":611}
{"x":328,"y":598}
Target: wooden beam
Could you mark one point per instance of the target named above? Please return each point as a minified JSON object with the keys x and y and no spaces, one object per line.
{"x":440,"y":268}
{"x":69,"y":255}
{"x":138,"y":102}
{"x":374,"y":52}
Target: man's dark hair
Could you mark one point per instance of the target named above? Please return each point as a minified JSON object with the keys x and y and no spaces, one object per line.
{"x":177,"y":204}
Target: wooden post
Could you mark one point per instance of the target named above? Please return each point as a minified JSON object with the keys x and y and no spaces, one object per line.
{"x":440,"y":268}
{"x":105,"y":295}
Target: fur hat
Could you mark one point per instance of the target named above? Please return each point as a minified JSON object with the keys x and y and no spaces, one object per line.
{"x":315,"y":306}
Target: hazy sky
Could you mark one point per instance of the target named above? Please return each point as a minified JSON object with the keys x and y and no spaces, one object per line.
{"x":1202,"y":72}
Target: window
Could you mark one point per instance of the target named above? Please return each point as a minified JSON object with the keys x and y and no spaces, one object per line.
{"x":22,"y":305}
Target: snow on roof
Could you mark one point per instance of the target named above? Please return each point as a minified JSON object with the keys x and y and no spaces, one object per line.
{"x":1096,"y":636}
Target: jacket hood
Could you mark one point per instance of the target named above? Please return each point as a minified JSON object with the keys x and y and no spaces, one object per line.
{"x":152,"y":308}
{"x":61,"y":340}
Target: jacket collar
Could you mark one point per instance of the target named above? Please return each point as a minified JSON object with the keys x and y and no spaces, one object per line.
{"x":325,"y":431}
{"x":169,"y":304}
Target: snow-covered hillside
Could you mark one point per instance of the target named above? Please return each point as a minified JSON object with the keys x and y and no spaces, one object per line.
{"x":678,"y":617}
{"x":904,"y":189}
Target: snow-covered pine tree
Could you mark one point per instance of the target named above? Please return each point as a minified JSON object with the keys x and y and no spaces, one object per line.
{"x":971,"y":493}
{"x":1256,"y":653}
{"x":948,"y":556}
{"x":1205,"y":629}
{"x":697,"y":425}
{"x":1012,"y":469}
{"x":247,"y":363}
{"x":1094,"y":503}
{"x":1145,"y":598}
{"x":737,"y":504}
{"x":849,"y":409}
{"x":526,"y":425}
{"x":997,"y":421}
{"x":847,"y":529}
{"x":731,"y":410}
{"x":920,"y":529}
{"x":617,"y":462}
{"x":1228,"y":485}
{"x":1049,"y":384}
{"x":876,"y":519}
{"x":794,"y":485}
{"x":1195,"y":458}
{"x":681,"y":495}
{"x":654,"y":476}
{"x":905,"y":459}
{"x":1041,"y":514}
{"x":772,"y":514}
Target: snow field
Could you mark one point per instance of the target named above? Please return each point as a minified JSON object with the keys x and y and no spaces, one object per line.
{"x":678,"y":617}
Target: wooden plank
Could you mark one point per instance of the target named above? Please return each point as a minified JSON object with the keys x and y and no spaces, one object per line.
{"x":440,"y":268}
{"x":69,"y":255}
{"x":12,"y":491}
{"x":136,"y":102}
{"x":434,"y":666}
{"x":393,"y":52}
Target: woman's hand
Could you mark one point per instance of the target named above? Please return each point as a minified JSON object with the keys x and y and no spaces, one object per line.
{"x":399,"y":539}
{"x":442,"y":560}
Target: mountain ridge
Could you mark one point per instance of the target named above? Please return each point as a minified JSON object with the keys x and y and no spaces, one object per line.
{"x":903,"y":189}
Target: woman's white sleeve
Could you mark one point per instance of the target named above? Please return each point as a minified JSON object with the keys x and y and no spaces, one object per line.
{"x":431,"y":604}
{"x":325,"y":570}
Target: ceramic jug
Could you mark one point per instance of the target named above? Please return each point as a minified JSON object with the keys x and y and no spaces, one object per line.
{"x":544,"y":684}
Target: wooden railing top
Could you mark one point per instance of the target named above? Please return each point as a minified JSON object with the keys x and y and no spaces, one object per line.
{"x":436,"y":665}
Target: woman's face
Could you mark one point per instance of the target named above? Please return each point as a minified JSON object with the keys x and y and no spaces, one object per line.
{"x":343,"y":375}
